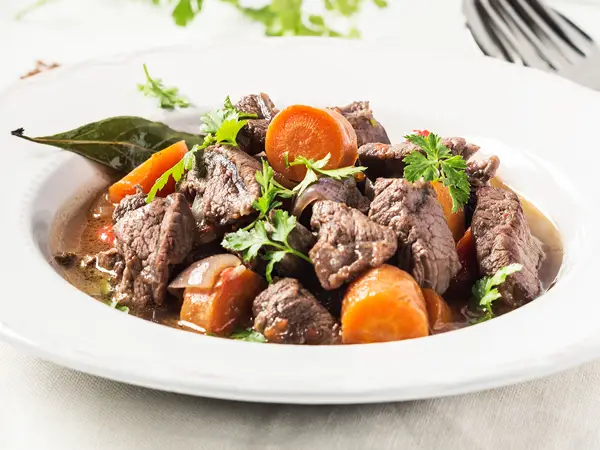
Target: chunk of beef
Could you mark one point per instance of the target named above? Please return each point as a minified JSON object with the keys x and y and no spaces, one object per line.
{"x":384,"y":160}
{"x":251,"y":138}
{"x":481,"y":172}
{"x":260,"y":104}
{"x":361,"y":118}
{"x":341,"y":191}
{"x":128,"y":204}
{"x":502,"y":237}
{"x":425,"y":244}
{"x":348,"y":243}
{"x":222,"y":186}
{"x":286,"y":313}
{"x":151,"y":239}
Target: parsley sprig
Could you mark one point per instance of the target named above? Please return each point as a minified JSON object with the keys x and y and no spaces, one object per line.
{"x":168,"y":97}
{"x":485,"y":291}
{"x":438,"y":164}
{"x":316,"y":168}
{"x":270,"y":191}
{"x":221,"y":127}
{"x":248,"y":335}
{"x":271,"y":235}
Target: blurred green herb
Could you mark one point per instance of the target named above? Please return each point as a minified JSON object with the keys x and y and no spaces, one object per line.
{"x":279,"y":17}
{"x":248,"y":335}
{"x":168,"y":97}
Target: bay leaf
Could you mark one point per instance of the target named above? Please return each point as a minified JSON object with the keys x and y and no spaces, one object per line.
{"x":122,"y":143}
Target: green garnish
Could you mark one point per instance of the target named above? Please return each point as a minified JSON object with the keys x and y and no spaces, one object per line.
{"x":168,"y":97}
{"x":438,"y":164}
{"x":222,"y":127}
{"x":485,"y":291}
{"x":316,"y":168}
{"x":213,"y":121}
{"x":270,"y":190}
{"x":271,"y":234}
{"x":248,"y":335}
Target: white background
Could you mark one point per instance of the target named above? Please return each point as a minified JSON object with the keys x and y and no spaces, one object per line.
{"x":43,"y":406}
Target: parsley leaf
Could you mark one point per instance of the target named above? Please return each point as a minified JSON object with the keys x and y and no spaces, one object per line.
{"x":271,"y":235}
{"x":114,"y":303}
{"x":270,"y":190}
{"x":485,"y":291}
{"x":213,"y":121}
{"x":168,"y":97}
{"x":248,"y":335}
{"x":438,"y":164}
{"x":226,"y":125}
{"x":316,"y":168}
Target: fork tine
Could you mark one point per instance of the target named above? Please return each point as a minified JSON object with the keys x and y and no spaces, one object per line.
{"x":553,"y":49}
{"x":517,"y":43}
{"x":574,"y":36}
{"x":478,"y":25}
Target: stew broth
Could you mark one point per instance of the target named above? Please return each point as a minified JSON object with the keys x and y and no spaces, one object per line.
{"x":81,"y":233}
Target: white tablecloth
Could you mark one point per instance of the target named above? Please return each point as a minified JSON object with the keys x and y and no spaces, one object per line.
{"x":43,"y":406}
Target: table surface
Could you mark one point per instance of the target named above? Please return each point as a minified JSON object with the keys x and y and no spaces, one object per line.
{"x":44,"y":406}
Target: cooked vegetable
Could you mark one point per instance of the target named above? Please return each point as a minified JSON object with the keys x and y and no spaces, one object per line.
{"x":222,"y":127}
{"x":248,"y":335}
{"x":265,"y":233}
{"x":438,"y":164}
{"x":121,"y":143}
{"x":311,"y":133}
{"x":168,"y":97}
{"x":203,"y":274}
{"x":146,"y":173}
{"x":485,"y":291}
{"x":314,"y":169}
{"x":384,"y":304}
{"x":438,"y":311}
{"x":107,"y":234}
{"x":270,"y":190}
{"x":225,"y":307}
{"x":456,"y":219}
{"x":324,"y":189}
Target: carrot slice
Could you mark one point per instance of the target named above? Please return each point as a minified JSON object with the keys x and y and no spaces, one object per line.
{"x":439,"y":313}
{"x":301,"y":130}
{"x":148,"y":172}
{"x":456,"y":221}
{"x":384,"y":304}
{"x":226,"y":306}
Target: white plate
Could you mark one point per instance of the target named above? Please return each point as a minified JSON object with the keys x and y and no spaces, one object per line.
{"x":543,"y":127}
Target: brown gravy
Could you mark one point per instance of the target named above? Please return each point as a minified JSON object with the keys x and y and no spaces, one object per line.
{"x":80,"y":235}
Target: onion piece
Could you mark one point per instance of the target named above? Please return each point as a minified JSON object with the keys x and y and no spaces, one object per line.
{"x":203,"y":274}
{"x":324,"y":189}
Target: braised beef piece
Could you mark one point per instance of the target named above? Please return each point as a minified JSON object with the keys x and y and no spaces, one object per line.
{"x":286,"y":313}
{"x":425,"y":244}
{"x":480,"y":173}
{"x":260,"y":104}
{"x":301,"y":239}
{"x":348,"y":243}
{"x":502,"y":237}
{"x":151,"y":239}
{"x":341,"y":191}
{"x":128,"y":204}
{"x":251,"y":138}
{"x":361,"y":118}
{"x":222,"y":186}
{"x":386,"y":161}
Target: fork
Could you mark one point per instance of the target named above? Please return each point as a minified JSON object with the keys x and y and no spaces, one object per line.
{"x":529,"y":33}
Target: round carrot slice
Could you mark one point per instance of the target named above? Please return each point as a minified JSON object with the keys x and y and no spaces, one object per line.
{"x":301,"y":130}
{"x":385,"y":304}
